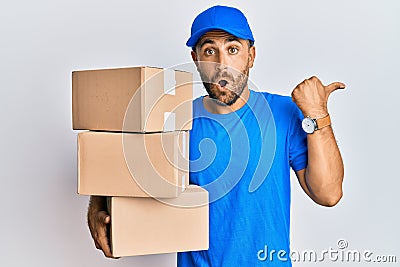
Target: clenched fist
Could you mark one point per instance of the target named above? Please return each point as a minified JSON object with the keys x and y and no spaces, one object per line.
{"x":311,"y":96}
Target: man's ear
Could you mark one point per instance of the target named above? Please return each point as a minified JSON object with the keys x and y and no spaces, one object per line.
{"x":195,"y":59}
{"x":252,"y":55}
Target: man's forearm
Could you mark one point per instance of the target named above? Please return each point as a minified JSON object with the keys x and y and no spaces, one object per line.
{"x":324,"y":173}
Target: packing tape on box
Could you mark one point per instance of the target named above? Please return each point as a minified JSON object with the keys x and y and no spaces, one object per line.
{"x":184,"y":157}
{"x":184,"y":145}
{"x":169,"y":121}
{"x":169,"y":81}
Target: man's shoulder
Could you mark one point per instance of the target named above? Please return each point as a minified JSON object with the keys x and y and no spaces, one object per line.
{"x":198,"y":99}
{"x":197,"y":104}
{"x":274,"y":97}
{"x":277,"y":102}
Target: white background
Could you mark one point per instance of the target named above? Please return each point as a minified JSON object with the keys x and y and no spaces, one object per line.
{"x":357,"y":42}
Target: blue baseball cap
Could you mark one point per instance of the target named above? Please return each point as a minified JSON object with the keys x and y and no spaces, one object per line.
{"x":228,"y":19}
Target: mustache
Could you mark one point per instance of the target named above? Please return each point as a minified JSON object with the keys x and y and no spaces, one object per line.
{"x":224,"y":74}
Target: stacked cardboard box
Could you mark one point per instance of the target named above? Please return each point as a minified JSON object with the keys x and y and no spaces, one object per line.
{"x":136,"y":153}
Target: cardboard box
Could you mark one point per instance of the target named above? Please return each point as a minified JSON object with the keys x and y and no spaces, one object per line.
{"x":138,"y":99}
{"x":141,"y":226}
{"x":133,"y":164}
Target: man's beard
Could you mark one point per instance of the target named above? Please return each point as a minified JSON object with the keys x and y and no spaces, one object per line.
{"x":233,"y":86}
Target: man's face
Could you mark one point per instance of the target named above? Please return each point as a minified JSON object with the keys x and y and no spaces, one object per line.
{"x":223,"y":62}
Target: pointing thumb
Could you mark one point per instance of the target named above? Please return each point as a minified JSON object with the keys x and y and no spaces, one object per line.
{"x":334,"y":86}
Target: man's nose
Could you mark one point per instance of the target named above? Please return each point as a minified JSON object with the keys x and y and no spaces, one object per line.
{"x":221,"y":62}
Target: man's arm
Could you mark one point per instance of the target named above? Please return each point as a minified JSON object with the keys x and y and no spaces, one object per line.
{"x":322,"y":179}
{"x":98,"y":221}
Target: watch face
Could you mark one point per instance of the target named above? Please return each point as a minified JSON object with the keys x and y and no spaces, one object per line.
{"x":308,"y":125}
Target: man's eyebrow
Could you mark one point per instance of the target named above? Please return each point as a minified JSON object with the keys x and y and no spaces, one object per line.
{"x":206,"y":41}
{"x":210,"y":41}
{"x":232,"y":39}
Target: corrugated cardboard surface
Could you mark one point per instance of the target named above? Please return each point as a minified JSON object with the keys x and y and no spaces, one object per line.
{"x":141,"y":226}
{"x":134,"y":165}
{"x":131,"y":99}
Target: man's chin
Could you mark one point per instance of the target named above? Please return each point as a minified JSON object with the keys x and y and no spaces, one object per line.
{"x":223,"y":96}
{"x":225,"y":101}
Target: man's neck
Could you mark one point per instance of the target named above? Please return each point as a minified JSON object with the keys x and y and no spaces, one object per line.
{"x":213,"y":106}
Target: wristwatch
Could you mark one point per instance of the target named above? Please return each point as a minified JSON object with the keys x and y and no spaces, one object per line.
{"x":311,"y":125}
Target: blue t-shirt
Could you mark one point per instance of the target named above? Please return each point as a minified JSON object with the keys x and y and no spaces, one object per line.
{"x":243,"y":159}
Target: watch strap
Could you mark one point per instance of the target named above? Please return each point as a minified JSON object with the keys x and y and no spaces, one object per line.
{"x":323,"y":122}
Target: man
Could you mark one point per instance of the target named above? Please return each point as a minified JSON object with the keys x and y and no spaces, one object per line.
{"x":254,"y":138}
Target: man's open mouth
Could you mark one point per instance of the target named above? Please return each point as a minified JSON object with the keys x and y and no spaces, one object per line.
{"x":223,"y":83}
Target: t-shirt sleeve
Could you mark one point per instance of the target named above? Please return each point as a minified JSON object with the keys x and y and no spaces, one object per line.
{"x":297,"y":142}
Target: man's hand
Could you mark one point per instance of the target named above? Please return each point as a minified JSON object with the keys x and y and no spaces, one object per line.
{"x":311,"y":96}
{"x":99,"y":221}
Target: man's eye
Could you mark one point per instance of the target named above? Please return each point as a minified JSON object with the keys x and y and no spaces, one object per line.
{"x":210,"y":52}
{"x":233,"y":50}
